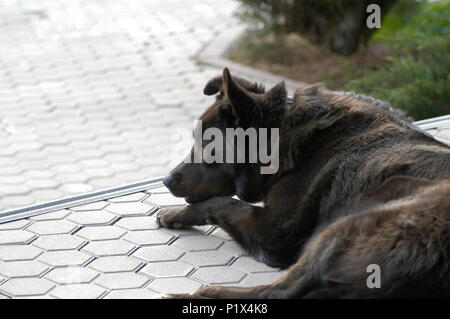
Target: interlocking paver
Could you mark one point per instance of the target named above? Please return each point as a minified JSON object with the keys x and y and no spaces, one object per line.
{"x":194,"y":230}
{"x":132,"y":294}
{"x":218,"y":275}
{"x":43,"y":183}
{"x":64,"y":258}
{"x":130,"y":209}
{"x":174,"y":285}
{"x":19,"y":252}
{"x":159,"y":253}
{"x":101,"y":232}
{"x":138,"y":223}
{"x":167,"y":269}
{"x":194,"y":243}
{"x":109,"y":248}
{"x":17,"y":200}
{"x":77,"y":291}
{"x":86,"y":218}
{"x":121,"y":280}
{"x":52,"y":227}
{"x":19,"y":224}
{"x":37,"y":297}
{"x":29,"y":268}
{"x":72,"y":275}
{"x":59,"y":242}
{"x":233,"y":248}
{"x":115,"y":264}
{"x":44,"y":195}
{"x":148,"y":237}
{"x":164,"y":199}
{"x":220,"y":233}
{"x":10,"y":237}
{"x":27,"y":286}
{"x":14,"y":189}
{"x":208,"y":258}
{"x":60,"y":214}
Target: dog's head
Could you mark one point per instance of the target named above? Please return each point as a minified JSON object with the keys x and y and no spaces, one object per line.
{"x":239,"y":104}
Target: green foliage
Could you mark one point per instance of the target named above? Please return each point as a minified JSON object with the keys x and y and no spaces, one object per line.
{"x":417,"y":79}
{"x":337,"y":25}
{"x":272,"y":15}
{"x":416,"y":75}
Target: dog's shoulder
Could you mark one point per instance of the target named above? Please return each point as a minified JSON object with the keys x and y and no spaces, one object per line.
{"x":318,"y":96}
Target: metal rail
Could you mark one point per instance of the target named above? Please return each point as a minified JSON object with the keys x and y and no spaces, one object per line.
{"x":78,"y":200}
{"x":433,"y":122}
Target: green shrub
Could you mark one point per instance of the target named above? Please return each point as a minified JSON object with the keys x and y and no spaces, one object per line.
{"x":417,"y":79}
{"x":338,"y":25}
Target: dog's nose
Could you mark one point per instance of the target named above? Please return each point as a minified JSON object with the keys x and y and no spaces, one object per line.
{"x":171,"y":180}
{"x":167,"y":181}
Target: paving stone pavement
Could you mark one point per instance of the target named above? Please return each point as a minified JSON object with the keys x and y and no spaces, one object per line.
{"x":91,"y":91}
{"x":89,"y":95}
{"x":115,"y":249}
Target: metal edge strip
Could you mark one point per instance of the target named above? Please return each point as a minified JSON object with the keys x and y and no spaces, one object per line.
{"x":433,"y":119}
{"x":436,"y":123}
{"x":79,"y":200}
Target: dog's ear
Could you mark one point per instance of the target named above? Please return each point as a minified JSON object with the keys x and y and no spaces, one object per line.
{"x":277,"y":95}
{"x":213,"y":86}
{"x":242,"y":102}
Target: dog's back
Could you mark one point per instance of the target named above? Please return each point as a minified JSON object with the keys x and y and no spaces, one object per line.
{"x":346,"y":145}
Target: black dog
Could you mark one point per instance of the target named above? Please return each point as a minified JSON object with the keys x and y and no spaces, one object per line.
{"x":358,"y":185}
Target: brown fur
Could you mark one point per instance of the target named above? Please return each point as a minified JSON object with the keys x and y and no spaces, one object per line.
{"x":358,"y":184}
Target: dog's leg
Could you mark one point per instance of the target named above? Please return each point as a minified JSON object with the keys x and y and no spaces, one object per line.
{"x":202,"y":213}
{"x":244,"y":222}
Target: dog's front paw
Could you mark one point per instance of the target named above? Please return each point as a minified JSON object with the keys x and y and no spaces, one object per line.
{"x":171,"y":218}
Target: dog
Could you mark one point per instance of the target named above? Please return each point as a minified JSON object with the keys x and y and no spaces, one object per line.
{"x":358,"y":187}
